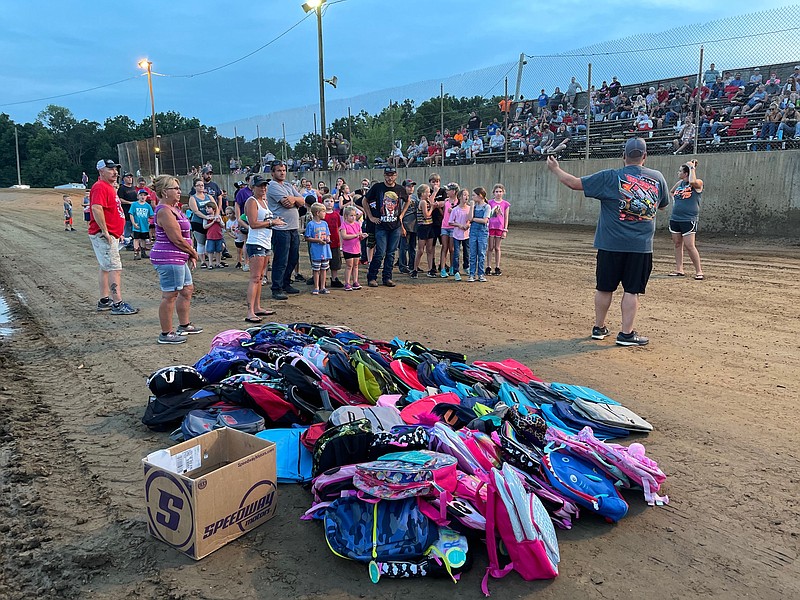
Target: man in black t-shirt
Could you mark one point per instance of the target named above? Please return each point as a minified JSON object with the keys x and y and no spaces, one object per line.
{"x":127,"y":196}
{"x":474,"y":124}
{"x":383,"y":205}
{"x":211,"y":187}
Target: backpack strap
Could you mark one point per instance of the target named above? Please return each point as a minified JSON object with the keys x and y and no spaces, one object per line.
{"x":493,"y":570}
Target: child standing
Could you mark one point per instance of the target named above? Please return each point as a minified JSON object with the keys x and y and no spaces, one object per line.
{"x":498,"y":226}
{"x":86,"y":208}
{"x":351,"y":235}
{"x":447,"y":231}
{"x":334,"y":221}
{"x":67,"y":213}
{"x":478,"y":234}
{"x":140,"y":214}
{"x":318,"y":237}
{"x":408,"y":230}
{"x":459,"y":221}
{"x":425,"y":233}
{"x":235,"y":233}
{"x":213,"y":226}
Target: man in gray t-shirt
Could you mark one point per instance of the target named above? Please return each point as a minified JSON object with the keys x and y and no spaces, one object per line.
{"x":283,"y":200}
{"x":629,"y":199}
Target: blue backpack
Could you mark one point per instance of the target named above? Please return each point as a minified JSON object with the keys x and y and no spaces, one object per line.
{"x":294,"y":459}
{"x":217,"y":364}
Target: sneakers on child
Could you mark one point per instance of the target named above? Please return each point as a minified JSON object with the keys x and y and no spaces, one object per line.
{"x":632,"y":339}
{"x":348,"y":287}
{"x":171,"y":338}
{"x":356,"y":285}
{"x":189,"y":329}
{"x":482,"y":279}
{"x":430,"y":274}
{"x":443,"y":273}
{"x":324,"y":291}
{"x":457,"y":276}
{"x":599,"y":333}
{"x":123,"y":308}
{"x":414,"y":274}
{"x":246,"y":268}
{"x":471,"y":279}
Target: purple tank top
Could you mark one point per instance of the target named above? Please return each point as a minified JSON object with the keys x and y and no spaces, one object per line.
{"x":164,"y":252}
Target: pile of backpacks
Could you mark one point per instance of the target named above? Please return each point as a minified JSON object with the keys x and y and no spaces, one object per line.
{"x":412,"y":454}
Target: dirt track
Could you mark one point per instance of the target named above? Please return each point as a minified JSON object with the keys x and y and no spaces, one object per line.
{"x":719,"y":382}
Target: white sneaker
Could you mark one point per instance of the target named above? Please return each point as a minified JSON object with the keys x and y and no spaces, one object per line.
{"x":471,"y":279}
{"x":246,"y":268}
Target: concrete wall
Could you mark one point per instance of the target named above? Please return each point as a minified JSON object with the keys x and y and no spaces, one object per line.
{"x":745,"y":192}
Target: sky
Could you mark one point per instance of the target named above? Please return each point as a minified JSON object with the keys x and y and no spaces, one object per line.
{"x":49,"y":48}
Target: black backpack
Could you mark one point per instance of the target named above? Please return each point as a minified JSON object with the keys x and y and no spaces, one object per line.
{"x":175,"y":379}
{"x":164,"y":413}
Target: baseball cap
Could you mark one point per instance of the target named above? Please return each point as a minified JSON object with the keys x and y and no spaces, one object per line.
{"x":107,"y":163}
{"x":452,"y":186}
{"x":143,"y":191}
{"x":389,"y":169}
{"x":128,"y":174}
{"x":409,"y":182}
{"x":206,"y":170}
{"x":259,"y":180}
{"x":635,"y":148}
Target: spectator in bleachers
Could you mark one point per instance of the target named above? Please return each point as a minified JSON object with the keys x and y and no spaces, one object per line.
{"x":545,"y":142}
{"x":675,"y":109}
{"x":658,"y":114}
{"x":473,"y":124}
{"x":542,"y":101}
{"x":614,"y":87}
{"x":556,"y":99}
{"x":792,"y":84}
{"x":773,"y":85}
{"x":756,"y":76}
{"x":651,"y":98}
{"x":497,"y":143}
{"x":412,"y":152}
{"x":756,"y":101}
{"x":736,"y":102}
{"x":639,"y":102}
{"x":561,"y":140}
{"x":788,"y":124}
{"x":623,"y":109}
{"x":737,"y":80}
{"x":772,"y":121}
{"x":477,"y":145}
{"x":493,"y":127}
{"x":396,"y":157}
{"x":577,"y":122}
{"x":642,"y":122}
{"x":685,"y":136}
{"x":434,"y":154}
{"x":685,"y":87}
{"x":711,"y":75}
{"x":532,"y":139}
{"x":572,"y":91}
{"x":662,"y":93}
{"x":718,"y":89}
{"x":559,"y":114}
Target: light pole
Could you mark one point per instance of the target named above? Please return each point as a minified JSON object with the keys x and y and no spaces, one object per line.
{"x":316,"y":5}
{"x":148,"y":66}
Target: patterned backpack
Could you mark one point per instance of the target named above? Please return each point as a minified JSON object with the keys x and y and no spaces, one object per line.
{"x":403,"y":475}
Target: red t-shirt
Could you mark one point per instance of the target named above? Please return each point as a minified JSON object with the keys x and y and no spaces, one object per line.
{"x":104,"y":194}
{"x":334,"y":221}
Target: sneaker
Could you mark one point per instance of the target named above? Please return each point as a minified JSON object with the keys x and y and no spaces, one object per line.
{"x":336,"y":283}
{"x":497,"y":271}
{"x":279,"y":295}
{"x":104,"y":304}
{"x":372,"y":283}
{"x":443,"y":273}
{"x":599,"y":333}
{"x":389,"y":283}
{"x":324,"y":291}
{"x":348,"y":288}
{"x":414,"y":274}
{"x":246,"y":268}
{"x":264,"y":281}
{"x":226,"y":254}
{"x":144,"y":252}
{"x":356,"y":285}
{"x":471,"y":279}
{"x":171,"y":338}
{"x":632,"y":339}
{"x":210,"y":267}
{"x":430,"y":274}
{"x":482,"y":279}
{"x":299,"y":277}
{"x":450,"y":270}
{"x":457,"y":276}
{"x":137,"y":256}
{"x":222,"y":265}
{"x":123,"y":308}
{"x":291,"y":290}
{"x":404,"y":270}
{"x":203,"y":265}
{"x":238,"y":265}
{"x":190,"y":329}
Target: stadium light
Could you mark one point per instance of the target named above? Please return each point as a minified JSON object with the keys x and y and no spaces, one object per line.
{"x":316,"y":6}
{"x":148,"y":66}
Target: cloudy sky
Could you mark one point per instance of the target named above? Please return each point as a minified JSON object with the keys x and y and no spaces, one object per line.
{"x":50,"y":48}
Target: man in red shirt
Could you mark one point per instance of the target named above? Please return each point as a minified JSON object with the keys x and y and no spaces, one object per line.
{"x":106,"y":224}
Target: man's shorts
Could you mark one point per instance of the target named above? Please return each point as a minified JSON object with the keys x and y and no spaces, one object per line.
{"x":141,"y":235}
{"x":107,"y":254}
{"x":336,"y":259}
{"x":683,"y":227}
{"x":424,"y":232}
{"x":632,"y":269}
{"x":255,"y":250}
{"x":173,"y":278}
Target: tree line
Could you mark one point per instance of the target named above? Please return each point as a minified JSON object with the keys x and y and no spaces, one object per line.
{"x":56,"y":148}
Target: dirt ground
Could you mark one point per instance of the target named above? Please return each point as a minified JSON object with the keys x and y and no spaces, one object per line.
{"x":718,"y":381}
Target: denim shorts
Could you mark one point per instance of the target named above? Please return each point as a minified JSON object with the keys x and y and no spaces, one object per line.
{"x":447,"y":231}
{"x":173,"y":278}
{"x":254,"y":250}
{"x":213,"y":246}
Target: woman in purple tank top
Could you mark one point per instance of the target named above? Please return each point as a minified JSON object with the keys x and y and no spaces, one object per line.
{"x":173,"y":258}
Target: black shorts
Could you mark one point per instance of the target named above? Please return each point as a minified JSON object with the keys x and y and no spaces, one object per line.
{"x":351,"y":255}
{"x":239,"y":244}
{"x":198,"y":227}
{"x":141,"y":235}
{"x":424,"y":232}
{"x":632,"y":269}
{"x":335,"y":262}
{"x":683,"y":227}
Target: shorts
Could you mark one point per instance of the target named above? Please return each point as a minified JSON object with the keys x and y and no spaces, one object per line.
{"x":87,"y":217}
{"x":371,"y":241}
{"x":447,"y":231}
{"x":351,"y":255}
{"x":424,"y":232}
{"x":198,"y":227}
{"x":336,"y":259}
{"x":173,"y":278}
{"x":319,"y":265}
{"x":141,"y":235}
{"x":239,"y":244}
{"x":213,"y":246}
{"x":496,"y":233}
{"x":107,"y":254}
{"x":255,"y":250}
{"x":632,"y":269}
{"x":683,"y":227}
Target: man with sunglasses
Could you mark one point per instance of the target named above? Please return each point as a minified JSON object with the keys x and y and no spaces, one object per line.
{"x":284,"y":200}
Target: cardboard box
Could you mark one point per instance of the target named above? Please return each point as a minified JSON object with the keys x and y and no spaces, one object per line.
{"x":205,"y":492}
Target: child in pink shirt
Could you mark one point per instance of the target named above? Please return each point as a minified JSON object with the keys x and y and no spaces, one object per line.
{"x":498,"y":227}
{"x":351,"y":236}
{"x":459,"y":221}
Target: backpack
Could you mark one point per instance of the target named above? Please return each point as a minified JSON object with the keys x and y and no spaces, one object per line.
{"x":613,"y":415}
{"x":369,"y":533}
{"x":174,"y":380}
{"x":219,"y":362}
{"x":231,"y":338}
{"x":163,"y":413}
{"x":382,"y":418}
{"x":342,"y":371}
{"x":422,"y":409}
{"x":447,"y":556}
{"x":401,"y":475}
{"x":198,"y":422}
{"x":294,"y":459}
{"x":373,"y":379}
{"x":271,"y":403}
{"x":346,"y":444}
{"x":524,"y":527}
{"x":329,"y":485}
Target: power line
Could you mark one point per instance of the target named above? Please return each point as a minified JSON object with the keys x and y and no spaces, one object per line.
{"x":105,"y":85}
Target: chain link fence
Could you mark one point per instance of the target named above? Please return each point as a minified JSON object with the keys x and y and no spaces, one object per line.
{"x":741,"y":48}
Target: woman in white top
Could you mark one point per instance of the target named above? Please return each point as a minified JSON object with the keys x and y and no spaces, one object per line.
{"x":259,"y":246}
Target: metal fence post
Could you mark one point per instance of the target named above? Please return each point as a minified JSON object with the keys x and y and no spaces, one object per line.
{"x":186,"y":154}
{"x":200,"y":140}
{"x":589,"y":114}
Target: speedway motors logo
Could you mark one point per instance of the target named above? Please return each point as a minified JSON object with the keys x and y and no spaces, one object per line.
{"x":170,"y":513}
{"x":257,"y":505}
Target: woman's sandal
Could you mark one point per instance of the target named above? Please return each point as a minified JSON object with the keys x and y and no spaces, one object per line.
{"x":251,"y":320}
{"x":676,"y":274}
{"x":699,"y":277}
{"x":265,"y":313}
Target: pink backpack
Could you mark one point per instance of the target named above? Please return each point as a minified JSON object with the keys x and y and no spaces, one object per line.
{"x":229,"y":337}
{"x":524,"y":527}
